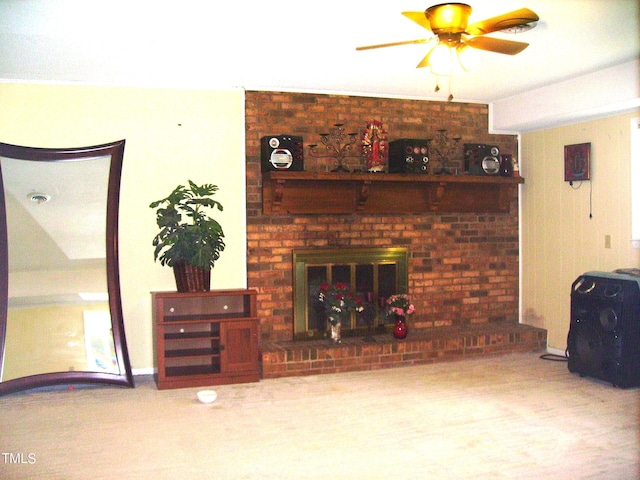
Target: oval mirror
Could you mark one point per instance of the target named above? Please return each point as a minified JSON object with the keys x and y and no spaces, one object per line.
{"x":60,"y":310}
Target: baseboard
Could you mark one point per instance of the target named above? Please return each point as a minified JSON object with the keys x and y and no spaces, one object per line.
{"x":143,"y":371}
{"x":555,"y":351}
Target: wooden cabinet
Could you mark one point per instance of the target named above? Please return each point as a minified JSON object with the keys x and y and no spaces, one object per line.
{"x":205,"y":338}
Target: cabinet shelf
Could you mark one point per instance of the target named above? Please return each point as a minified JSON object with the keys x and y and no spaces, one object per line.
{"x":189,"y":336}
{"x":348,"y":193}
{"x":192,"y":352}
{"x":199,"y":318}
{"x":188,"y":371}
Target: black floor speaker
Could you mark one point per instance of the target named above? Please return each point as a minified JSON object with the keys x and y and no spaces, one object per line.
{"x":604,"y":336}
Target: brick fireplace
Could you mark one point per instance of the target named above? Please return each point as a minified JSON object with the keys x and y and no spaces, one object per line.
{"x":462,"y":267}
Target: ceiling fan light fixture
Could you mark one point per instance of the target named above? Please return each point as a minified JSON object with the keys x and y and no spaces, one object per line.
{"x":468,"y":57}
{"x":440,"y":60}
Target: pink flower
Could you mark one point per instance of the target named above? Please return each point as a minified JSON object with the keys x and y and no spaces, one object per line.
{"x":400,"y":304}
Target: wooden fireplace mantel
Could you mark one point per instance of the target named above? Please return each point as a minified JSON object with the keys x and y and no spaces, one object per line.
{"x":346,"y":193}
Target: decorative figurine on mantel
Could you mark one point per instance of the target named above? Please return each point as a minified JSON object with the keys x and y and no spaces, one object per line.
{"x":374,"y":146}
{"x":516,"y":168}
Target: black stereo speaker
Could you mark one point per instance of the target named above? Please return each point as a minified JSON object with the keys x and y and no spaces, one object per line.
{"x":409,"y":156}
{"x":604,"y":336}
{"x":480,"y":159}
{"x":281,"y":152}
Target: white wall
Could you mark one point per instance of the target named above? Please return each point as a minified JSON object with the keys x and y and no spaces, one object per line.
{"x":560,"y":240}
{"x":171,"y":136}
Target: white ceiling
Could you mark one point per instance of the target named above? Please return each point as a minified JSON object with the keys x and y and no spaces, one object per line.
{"x":300,"y":46}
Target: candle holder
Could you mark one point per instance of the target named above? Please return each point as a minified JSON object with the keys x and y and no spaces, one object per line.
{"x":443,"y":148}
{"x":336,"y":145}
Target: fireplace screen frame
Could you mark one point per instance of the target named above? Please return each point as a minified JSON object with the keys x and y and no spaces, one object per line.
{"x":348,"y":256}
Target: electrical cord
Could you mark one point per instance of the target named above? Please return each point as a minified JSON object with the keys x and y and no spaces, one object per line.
{"x":590,"y":195}
{"x":554,"y":358}
{"x":557,"y":358}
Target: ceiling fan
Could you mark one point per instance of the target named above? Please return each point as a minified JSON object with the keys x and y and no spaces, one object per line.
{"x":453,"y":34}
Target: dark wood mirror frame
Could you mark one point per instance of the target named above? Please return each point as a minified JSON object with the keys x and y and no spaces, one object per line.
{"x":114,"y":150}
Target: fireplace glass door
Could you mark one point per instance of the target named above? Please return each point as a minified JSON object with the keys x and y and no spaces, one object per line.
{"x":372,"y":274}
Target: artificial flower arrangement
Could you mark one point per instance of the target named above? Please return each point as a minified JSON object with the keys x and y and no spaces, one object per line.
{"x":400,"y":304}
{"x":338,"y":300}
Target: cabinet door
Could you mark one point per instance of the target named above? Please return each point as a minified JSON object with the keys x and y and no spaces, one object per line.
{"x":240,"y":349}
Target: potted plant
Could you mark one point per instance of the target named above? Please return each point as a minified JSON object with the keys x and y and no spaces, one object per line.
{"x":190,"y":241}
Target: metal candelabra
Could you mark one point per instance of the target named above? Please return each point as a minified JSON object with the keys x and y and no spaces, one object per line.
{"x":336,"y":144}
{"x":442,"y":148}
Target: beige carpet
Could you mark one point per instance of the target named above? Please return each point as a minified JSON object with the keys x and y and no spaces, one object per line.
{"x":507,"y":417}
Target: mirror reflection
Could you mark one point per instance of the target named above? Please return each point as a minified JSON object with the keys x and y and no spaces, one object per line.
{"x":63,"y":316}
{"x":58,"y":314}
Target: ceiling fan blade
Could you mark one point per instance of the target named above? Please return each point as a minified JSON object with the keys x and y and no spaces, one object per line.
{"x":425,"y":61}
{"x":393,"y":44}
{"x":419,"y":17}
{"x":522,"y":16}
{"x":497,"y":45}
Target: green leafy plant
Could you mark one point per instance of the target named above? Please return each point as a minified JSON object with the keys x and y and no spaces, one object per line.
{"x":187,"y":232}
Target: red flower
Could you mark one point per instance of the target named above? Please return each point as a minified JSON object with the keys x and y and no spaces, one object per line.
{"x":338,"y":299}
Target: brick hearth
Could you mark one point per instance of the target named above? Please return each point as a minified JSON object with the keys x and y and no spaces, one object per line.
{"x":291,"y":358}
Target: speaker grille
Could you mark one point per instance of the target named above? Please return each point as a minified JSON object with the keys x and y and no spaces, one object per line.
{"x":598,"y":352}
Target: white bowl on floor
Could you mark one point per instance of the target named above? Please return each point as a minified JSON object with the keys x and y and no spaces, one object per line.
{"x":207,"y":396}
